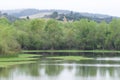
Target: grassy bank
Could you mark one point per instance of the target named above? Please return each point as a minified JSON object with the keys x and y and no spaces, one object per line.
{"x":95,"y":51}
{"x":20,"y":59}
{"x":7,"y":64}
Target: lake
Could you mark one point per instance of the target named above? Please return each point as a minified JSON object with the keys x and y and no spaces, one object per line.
{"x":100,"y":68}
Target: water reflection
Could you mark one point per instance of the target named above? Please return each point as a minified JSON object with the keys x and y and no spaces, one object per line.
{"x":109,"y":59}
{"x":83,"y":70}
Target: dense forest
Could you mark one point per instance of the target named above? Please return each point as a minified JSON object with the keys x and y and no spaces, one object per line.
{"x":47,"y":34}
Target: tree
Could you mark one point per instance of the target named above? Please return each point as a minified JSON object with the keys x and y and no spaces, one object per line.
{"x":114,"y":36}
{"x":8,"y":42}
{"x":27,"y":17}
{"x":54,"y":33}
{"x":54,"y":15}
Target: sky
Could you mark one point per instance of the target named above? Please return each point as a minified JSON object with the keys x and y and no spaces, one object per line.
{"x":109,"y":7}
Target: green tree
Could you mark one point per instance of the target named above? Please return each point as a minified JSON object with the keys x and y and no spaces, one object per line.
{"x":54,"y":15}
{"x":54,"y":33}
{"x":8,"y":42}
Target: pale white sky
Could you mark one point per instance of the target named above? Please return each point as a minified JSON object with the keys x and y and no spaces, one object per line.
{"x":110,"y":7}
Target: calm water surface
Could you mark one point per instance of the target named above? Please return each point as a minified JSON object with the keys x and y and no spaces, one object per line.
{"x":105,"y":68}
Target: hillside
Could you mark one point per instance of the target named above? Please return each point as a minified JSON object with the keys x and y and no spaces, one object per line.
{"x":70,"y":15}
{"x":11,"y":18}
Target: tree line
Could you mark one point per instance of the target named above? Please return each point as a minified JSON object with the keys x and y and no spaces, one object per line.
{"x":50,"y":34}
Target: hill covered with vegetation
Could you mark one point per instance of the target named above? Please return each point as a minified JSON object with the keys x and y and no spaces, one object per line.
{"x":58,"y":14}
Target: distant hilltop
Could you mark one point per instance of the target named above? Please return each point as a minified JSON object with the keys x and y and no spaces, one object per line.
{"x":57,"y":14}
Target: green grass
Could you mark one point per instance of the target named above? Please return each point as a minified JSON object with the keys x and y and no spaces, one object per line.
{"x":73,"y":58}
{"x":95,"y":51}
{"x":7,"y":64}
{"x":20,"y":59}
{"x":15,"y":59}
{"x":28,"y":55}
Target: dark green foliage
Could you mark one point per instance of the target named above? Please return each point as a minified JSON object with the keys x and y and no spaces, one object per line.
{"x":54,"y":15}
